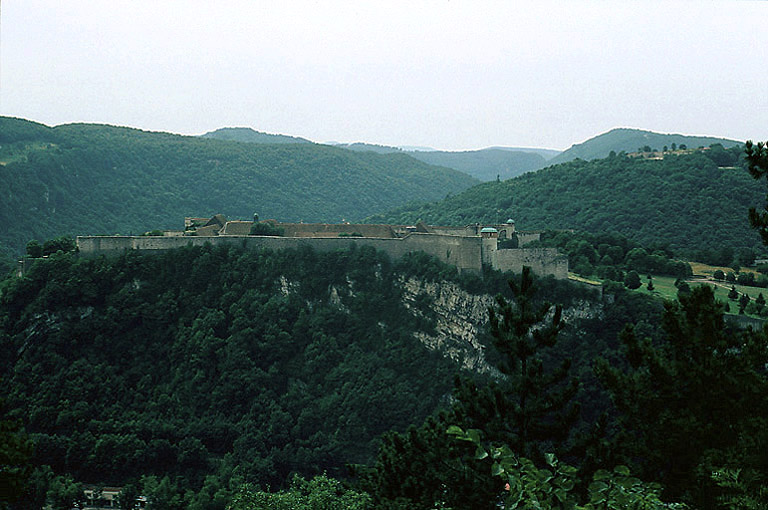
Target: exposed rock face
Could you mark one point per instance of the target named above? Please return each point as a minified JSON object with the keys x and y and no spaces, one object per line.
{"x":460,"y":320}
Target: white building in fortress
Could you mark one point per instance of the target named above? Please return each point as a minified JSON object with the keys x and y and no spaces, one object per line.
{"x":468,"y":248}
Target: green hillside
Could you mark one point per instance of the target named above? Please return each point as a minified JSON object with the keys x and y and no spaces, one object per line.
{"x":96,"y":179}
{"x":248,"y":135}
{"x":690,"y":201}
{"x":630,"y":140}
{"x":194,"y":361}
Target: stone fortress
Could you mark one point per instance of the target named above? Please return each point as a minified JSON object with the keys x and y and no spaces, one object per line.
{"x":468,"y":248}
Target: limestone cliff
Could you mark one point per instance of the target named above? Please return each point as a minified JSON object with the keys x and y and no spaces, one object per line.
{"x":461,"y":319}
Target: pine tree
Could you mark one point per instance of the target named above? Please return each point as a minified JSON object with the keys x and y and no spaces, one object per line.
{"x":695,"y":401}
{"x":743,"y":302}
{"x":529,"y":408}
{"x":539,"y":399}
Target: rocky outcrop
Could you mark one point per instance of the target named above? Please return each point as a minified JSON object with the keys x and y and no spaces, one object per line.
{"x":459,"y":320}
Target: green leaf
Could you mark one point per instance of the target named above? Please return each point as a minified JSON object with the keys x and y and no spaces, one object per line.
{"x":480,"y":453}
{"x":622,"y":470}
{"x":473,"y":435}
{"x":551,"y":459}
{"x":496,"y":469}
{"x":601,"y":474}
{"x":455,"y":430}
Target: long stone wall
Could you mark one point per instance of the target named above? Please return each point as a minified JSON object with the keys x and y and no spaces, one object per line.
{"x":466,"y":253}
{"x":462,"y":252}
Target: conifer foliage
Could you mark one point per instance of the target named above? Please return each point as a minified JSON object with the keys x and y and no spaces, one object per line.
{"x":694,"y":402}
{"x":541,"y":413}
{"x":528,"y":406}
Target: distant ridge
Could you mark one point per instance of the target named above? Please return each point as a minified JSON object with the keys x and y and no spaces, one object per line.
{"x":248,"y":135}
{"x":367,"y":147}
{"x":94,"y":179}
{"x":485,"y":164}
{"x":630,"y":140}
{"x":545,"y":153}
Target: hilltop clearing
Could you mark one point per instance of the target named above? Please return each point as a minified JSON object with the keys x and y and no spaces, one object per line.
{"x":632,"y":140}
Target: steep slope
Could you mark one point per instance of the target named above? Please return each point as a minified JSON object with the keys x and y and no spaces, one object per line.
{"x":630,"y":140}
{"x":95,"y":179}
{"x":686,"y":201}
{"x":195,"y":361}
{"x":248,"y":135}
{"x":162,"y":364}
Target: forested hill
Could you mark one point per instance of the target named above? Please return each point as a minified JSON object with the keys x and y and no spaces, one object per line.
{"x":96,"y":179}
{"x":632,"y":140}
{"x":197,"y":361}
{"x":690,"y":201}
{"x":248,"y":135}
{"x":194,"y":361}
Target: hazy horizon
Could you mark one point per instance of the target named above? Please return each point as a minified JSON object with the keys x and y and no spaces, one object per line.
{"x":450,"y":75}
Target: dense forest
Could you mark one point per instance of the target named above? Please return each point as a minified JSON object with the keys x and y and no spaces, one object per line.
{"x":94,"y":179}
{"x":218,"y":366}
{"x":201,"y":377}
{"x":648,"y":201}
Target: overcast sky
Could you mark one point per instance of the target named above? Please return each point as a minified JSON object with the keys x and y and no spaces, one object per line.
{"x":446,"y":74}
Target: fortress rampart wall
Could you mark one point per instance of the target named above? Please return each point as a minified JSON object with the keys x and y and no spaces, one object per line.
{"x":466,"y":253}
{"x":524,"y":238}
{"x":543,"y":261}
{"x":462,"y":252}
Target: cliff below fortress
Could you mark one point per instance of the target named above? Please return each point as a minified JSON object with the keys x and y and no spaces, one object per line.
{"x":461,"y":318}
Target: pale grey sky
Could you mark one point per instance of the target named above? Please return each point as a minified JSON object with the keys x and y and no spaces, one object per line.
{"x":447,"y":74}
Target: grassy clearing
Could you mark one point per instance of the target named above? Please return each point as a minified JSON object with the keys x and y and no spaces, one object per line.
{"x":664,"y":288}
{"x":700,"y":269}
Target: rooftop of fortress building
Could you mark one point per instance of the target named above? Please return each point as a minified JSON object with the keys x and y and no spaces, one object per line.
{"x":218,"y":225}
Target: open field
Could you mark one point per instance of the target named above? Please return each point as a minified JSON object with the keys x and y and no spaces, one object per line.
{"x":664,"y":286}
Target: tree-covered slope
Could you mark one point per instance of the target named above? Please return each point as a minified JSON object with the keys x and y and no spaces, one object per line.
{"x":95,"y":179}
{"x":248,"y":135}
{"x":174,"y":363}
{"x":630,"y":140}
{"x":686,"y":201}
